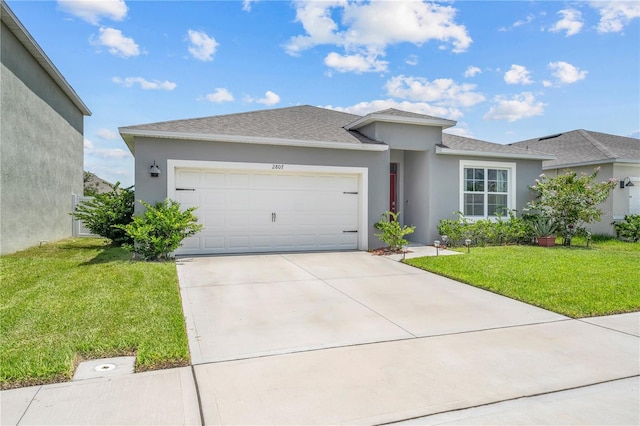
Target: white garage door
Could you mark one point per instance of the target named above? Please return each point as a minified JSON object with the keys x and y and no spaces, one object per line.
{"x":246,"y":211}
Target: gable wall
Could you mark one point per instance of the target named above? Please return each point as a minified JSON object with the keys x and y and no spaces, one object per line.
{"x":404,"y":136}
{"x":41,"y":151}
{"x":153,"y":190}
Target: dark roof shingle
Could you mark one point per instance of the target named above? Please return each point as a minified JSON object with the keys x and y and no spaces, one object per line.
{"x":584,"y":146}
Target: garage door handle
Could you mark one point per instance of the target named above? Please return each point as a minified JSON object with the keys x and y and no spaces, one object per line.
{"x":273,"y":217}
{"x":185,"y":189}
{"x":350,"y":232}
{"x":350,"y":192}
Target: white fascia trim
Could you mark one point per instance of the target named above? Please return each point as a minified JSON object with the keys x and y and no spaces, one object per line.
{"x":592,"y":163}
{"x":368,"y":119}
{"x":253,"y":140}
{"x":13,"y":23}
{"x":448,"y":151}
{"x":361,"y":172}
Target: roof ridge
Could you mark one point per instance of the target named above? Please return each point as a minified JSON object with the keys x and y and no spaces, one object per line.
{"x":599,"y":145}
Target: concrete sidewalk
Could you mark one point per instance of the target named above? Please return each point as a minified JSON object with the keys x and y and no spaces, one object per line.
{"x":350,"y":338}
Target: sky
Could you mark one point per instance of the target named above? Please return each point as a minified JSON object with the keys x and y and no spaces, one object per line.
{"x":504,"y":70}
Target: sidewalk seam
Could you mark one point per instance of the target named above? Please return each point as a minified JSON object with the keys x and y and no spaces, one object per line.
{"x":512,"y":399}
{"x":28,"y":406}
{"x":195,"y":382}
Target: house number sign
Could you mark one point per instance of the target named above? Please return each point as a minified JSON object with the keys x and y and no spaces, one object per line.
{"x":277,"y":166}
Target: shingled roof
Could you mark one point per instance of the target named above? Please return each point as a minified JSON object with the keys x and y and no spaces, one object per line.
{"x":307,"y":123}
{"x":457,"y":145}
{"x":581,"y":147}
{"x":290,"y":125}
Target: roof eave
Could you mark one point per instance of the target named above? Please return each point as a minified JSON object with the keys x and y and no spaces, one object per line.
{"x":129,"y":135}
{"x":368,"y":119}
{"x":461,"y":152}
{"x":15,"y":26}
{"x":591,"y":163}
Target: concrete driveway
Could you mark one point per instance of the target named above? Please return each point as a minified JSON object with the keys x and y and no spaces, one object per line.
{"x":327,"y":338}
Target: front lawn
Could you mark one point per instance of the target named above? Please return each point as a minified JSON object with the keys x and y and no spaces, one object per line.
{"x":577,"y":281}
{"x":81,"y":299}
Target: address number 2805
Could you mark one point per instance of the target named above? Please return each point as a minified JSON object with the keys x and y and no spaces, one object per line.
{"x":277,"y":166}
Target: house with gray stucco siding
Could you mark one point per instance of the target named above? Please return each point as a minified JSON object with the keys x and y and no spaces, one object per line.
{"x":308,"y":178}
{"x":41,"y":142}
{"x":583,"y":151}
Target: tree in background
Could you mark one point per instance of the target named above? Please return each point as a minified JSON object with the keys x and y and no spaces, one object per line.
{"x":571,"y":201}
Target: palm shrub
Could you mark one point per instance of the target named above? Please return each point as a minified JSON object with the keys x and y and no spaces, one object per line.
{"x":392,"y":233}
{"x":104,"y":213}
{"x":161,"y":229}
{"x":629,"y":229}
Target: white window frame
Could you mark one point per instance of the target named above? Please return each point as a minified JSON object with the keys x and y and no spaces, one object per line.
{"x":511,"y":176}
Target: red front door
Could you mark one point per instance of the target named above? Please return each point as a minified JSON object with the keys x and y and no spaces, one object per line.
{"x":393,"y":185}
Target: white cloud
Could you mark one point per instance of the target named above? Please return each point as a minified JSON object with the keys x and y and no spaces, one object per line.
{"x":442,"y":91}
{"x":519,"y":23}
{"x":520,"y":106}
{"x":202,"y":46}
{"x":634,"y":134}
{"x":117,"y":43}
{"x":145,"y":84}
{"x":472,"y":71}
{"x":364,"y":108}
{"x":106,"y":134}
{"x":412,"y":60}
{"x":571,"y":22}
{"x":270,"y":98}
{"x":105,"y":153}
{"x":615,"y":15}
{"x":518,"y":74}
{"x":92,"y":11}
{"x":246,"y":5}
{"x":367,"y":28}
{"x":357,"y":63}
{"x":566,"y":73}
{"x":220,"y":95}
{"x":460,"y":131}
{"x":547,"y":83}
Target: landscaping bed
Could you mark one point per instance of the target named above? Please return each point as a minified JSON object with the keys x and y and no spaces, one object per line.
{"x":576,"y":281}
{"x":81,"y":299}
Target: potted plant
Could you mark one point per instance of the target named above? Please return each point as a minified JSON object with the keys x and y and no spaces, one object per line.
{"x":544,"y":229}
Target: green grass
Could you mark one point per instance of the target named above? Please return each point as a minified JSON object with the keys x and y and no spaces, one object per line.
{"x":81,"y":299}
{"x":576,"y":281}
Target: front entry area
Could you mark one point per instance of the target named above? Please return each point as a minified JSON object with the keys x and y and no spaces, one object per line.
{"x":269,"y":208}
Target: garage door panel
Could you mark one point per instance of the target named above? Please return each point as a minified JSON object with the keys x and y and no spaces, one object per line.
{"x":249,"y":211}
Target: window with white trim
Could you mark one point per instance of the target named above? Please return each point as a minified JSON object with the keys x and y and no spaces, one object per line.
{"x":488,"y":188}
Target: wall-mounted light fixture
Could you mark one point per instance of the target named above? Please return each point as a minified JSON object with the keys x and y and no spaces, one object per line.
{"x":626,"y":182}
{"x":154,"y":170}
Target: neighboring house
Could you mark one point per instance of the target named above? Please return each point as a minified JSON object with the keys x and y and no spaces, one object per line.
{"x":95,"y":185}
{"x":41,"y":143}
{"x":308,"y":178}
{"x":583,"y":151}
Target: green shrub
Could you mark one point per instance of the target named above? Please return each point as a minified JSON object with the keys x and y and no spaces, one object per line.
{"x":515,"y":230}
{"x":161,"y":229}
{"x":571,"y":201}
{"x":102,"y":213}
{"x":392,"y":233}
{"x":629,"y":229}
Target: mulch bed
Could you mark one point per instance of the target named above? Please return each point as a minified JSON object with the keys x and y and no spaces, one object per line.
{"x":386,"y":251}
